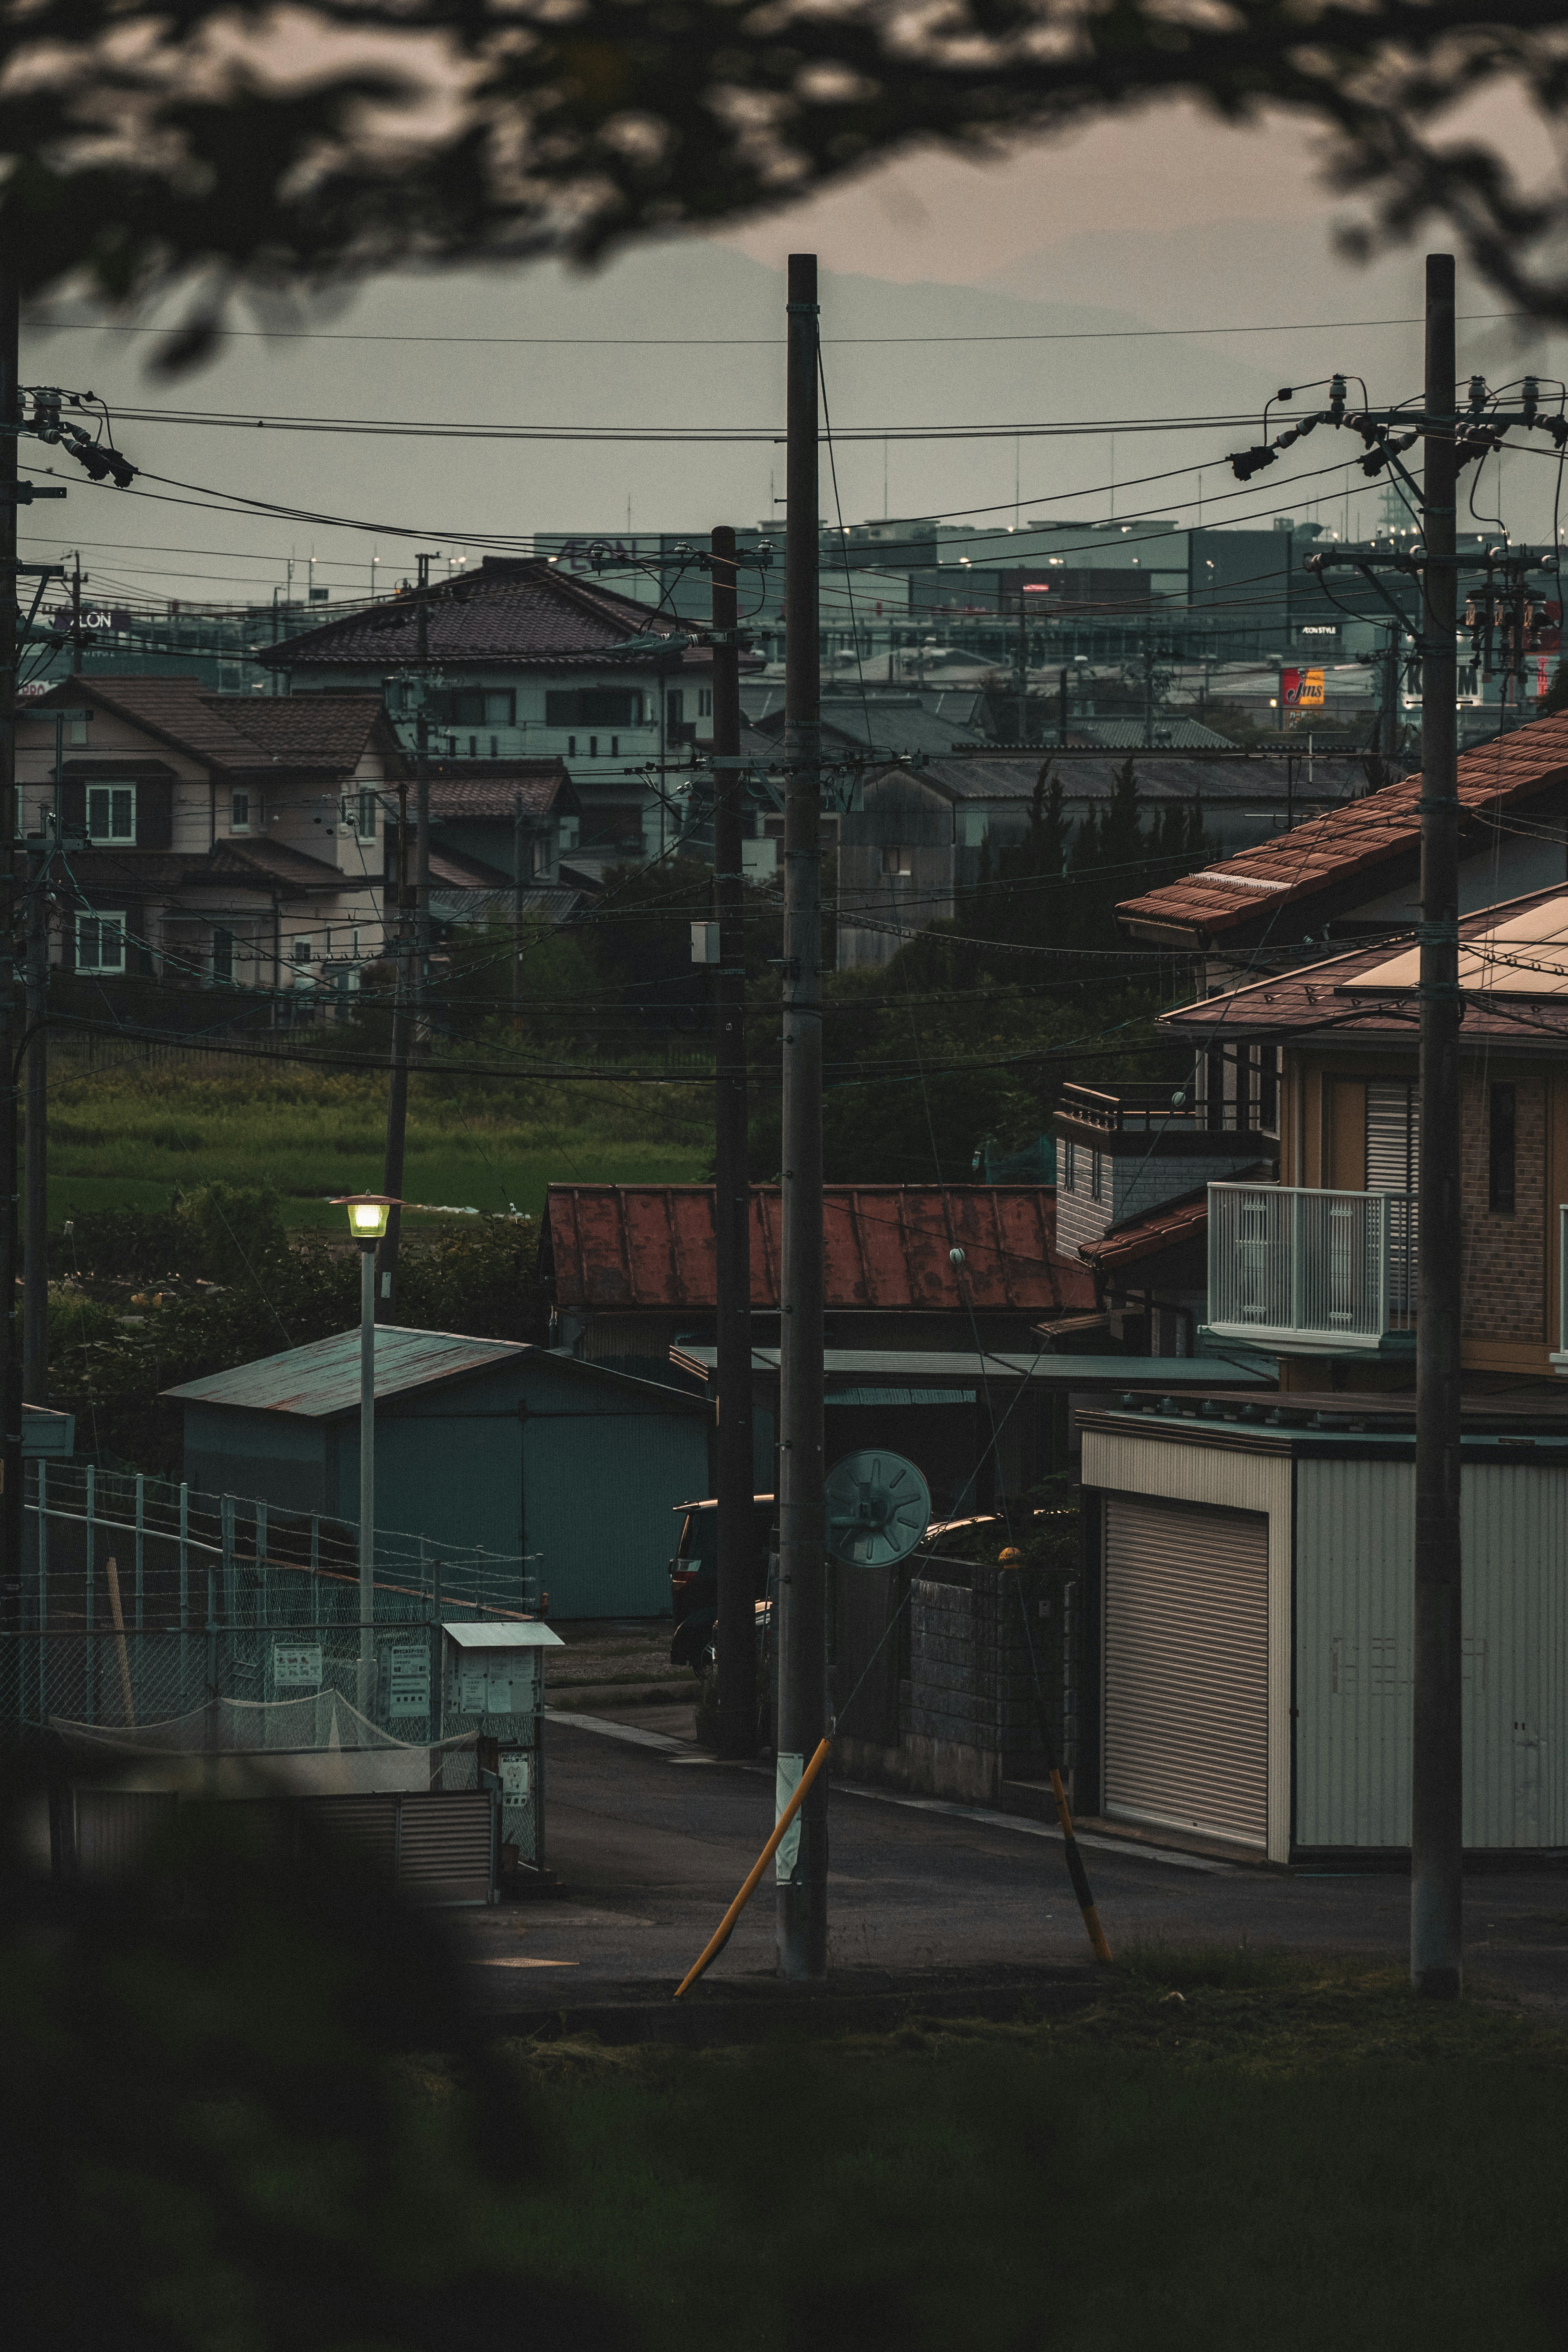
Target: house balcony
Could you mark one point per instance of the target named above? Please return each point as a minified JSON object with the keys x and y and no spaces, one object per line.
{"x":1313,"y":1272}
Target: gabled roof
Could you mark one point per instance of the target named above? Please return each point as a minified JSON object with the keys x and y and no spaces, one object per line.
{"x":886,"y":1246}
{"x":1510,"y":989}
{"x":1353,"y":845}
{"x":257,"y":865}
{"x":522,"y":613}
{"x":499,"y":788}
{"x":322,"y":1378}
{"x":238,"y":734}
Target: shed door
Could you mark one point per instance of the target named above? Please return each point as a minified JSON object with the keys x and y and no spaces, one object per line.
{"x":1186,"y":1667}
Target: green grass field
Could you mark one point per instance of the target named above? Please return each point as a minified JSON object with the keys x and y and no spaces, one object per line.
{"x":126,"y":1137}
{"x":1226,"y":2152}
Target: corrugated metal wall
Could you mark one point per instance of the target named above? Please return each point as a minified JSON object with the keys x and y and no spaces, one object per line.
{"x":1354,"y":1647}
{"x":598,"y":1493}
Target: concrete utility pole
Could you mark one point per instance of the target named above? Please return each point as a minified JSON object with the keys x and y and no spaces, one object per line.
{"x":397,"y":1089}
{"x":36,"y":1145}
{"x":10,"y":1004}
{"x":422,"y":821}
{"x":1436,"y":1761}
{"x":802,"y":1877}
{"x":736,"y":1636}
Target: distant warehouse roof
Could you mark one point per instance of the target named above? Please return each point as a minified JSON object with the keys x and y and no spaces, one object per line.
{"x":888,"y":1247}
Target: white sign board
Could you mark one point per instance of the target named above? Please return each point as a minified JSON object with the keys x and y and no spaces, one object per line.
{"x":472,"y":1685}
{"x":514,"y":1779}
{"x":296,"y":1665}
{"x":408,"y":1682}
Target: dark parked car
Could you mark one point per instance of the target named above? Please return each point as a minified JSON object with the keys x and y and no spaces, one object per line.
{"x":694,"y":1576}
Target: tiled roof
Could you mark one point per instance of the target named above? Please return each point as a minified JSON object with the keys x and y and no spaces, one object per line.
{"x":887,"y":1248}
{"x":1183,"y":1219}
{"x":258,"y":864}
{"x":237,"y":733}
{"x":1348,"y":843}
{"x":1328,"y":996}
{"x":523,"y":612}
{"x":497,"y":788}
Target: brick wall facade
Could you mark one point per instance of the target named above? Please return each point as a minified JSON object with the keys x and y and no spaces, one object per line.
{"x":1505,"y":1254}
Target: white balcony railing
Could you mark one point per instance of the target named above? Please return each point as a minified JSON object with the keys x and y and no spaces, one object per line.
{"x":1314,"y":1270}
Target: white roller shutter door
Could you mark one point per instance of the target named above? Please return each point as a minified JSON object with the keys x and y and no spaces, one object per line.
{"x":1186,"y":1668}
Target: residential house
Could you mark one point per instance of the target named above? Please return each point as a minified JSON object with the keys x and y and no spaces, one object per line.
{"x":500,"y":830}
{"x":914,"y":836}
{"x":522,"y":661}
{"x":210,"y":839}
{"x":1248,"y":1570}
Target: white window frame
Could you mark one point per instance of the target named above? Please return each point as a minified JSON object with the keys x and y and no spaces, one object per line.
{"x":107,"y":836}
{"x":301,"y":951}
{"x":366,"y":798}
{"x":240,"y":804}
{"x":100,"y":920}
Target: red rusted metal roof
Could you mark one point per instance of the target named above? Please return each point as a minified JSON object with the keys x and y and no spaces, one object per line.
{"x":887,"y":1249}
{"x":1333,"y":849}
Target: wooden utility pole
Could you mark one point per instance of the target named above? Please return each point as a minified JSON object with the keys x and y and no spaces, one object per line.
{"x":802,"y":1877}
{"x":11,"y":1009}
{"x":1437,"y":1760}
{"x":736,"y":1636}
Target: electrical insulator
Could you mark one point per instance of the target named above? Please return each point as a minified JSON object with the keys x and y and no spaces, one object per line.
{"x":1336,"y":397}
{"x":1477,"y":392}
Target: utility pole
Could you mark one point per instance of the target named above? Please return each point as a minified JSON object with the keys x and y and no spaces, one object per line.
{"x":10,"y":1007}
{"x":736,"y":1636}
{"x":76,"y":614}
{"x":1062,"y":720}
{"x":517,"y":889}
{"x":35,"y":1145}
{"x":1023,"y":672}
{"x":802,"y":1878}
{"x":1437,"y":1760}
{"x":422,"y":820}
{"x":397,"y":1089}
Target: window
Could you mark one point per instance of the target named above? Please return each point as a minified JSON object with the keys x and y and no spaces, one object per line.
{"x":675,"y":705}
{"x":302,"y":950}
{"x":592,"y":747}
{"x":615,"y":746}
{"x":1095,"y":1175}
{"x":1501,"y":1182}
{"x":594,"y":706}
{"x":100,"y":942}
{"x":571,"y":747}
{"x":1070,"y":1165}
{"x":705,"y":702}
{"x":367,"y":810}
{"x":896,"y":862}
{"x":111,"y":813}
{"x":223,"y":952}
{"x":474,"y":706}
{"x":239,"y":813}
{"x":1393,"y":1137}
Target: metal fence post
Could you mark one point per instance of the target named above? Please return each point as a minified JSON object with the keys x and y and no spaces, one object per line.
{"x":43,"y":1591}
{"x":261,"y":1618}
{"x":89,"y":1713}
{"x":230,"y":1598}
{"x":184,"y":1593}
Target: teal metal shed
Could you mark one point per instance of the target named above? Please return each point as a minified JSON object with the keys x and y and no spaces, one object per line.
{"x":541,"y":1459}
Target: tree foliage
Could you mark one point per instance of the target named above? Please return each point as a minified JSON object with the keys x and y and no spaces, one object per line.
{"x":216,"y":146}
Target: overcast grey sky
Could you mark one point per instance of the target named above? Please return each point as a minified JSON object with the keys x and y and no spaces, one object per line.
{"x":1161,"y":222}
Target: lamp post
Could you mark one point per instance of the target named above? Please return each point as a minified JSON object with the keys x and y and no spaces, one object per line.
{"x":367,"y":1222}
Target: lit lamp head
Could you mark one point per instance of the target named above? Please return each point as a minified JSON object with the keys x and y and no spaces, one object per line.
{"x":368,"y":1214}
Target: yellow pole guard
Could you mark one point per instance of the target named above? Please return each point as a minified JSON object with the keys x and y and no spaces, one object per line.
{"x":726,"y":1924}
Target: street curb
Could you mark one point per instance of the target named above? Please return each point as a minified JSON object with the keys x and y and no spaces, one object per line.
{"x":790,"y":2013}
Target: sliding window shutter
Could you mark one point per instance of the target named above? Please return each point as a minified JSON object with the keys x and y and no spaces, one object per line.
{"x":1393,"y":1141}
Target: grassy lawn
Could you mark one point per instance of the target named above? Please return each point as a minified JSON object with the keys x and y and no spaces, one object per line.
{"x":125,"y":1137}
{"x":1228,"y":2150}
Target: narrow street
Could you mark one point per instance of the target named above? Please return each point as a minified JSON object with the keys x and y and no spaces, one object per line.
{"x":651,"y":1840}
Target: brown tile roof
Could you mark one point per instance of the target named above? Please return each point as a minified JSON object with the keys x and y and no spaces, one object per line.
{"x":1347,"y":843}
{"x":1323,"y":998}
{"x":1184,"y":1219}
{"x":237,"y":733}
{"x":887,"y":1248}
{"x":496,"y":787}
{"x":258,"y":864}
{"x":523,"y":613}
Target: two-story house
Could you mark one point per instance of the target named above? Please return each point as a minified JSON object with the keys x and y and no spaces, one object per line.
{"x":1249,"y":1563}
{"x":209,"y":839}
{"x":521,"y":661}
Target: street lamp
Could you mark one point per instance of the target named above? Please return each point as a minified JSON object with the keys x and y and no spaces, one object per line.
{"x":367,"y":1223}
